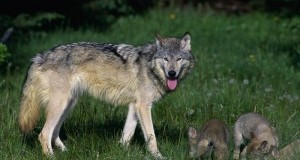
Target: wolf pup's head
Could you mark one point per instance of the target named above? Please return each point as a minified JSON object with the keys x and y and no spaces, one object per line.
{"x":173,"y":60}
{"x":198,"y":147}
{"x":258,"y":149}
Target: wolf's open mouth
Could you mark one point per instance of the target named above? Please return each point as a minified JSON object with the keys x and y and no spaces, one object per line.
{"x":172,"y":83}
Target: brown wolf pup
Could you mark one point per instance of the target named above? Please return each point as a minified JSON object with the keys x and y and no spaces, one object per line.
{"x":119,"y":74}
{"x":263,"y":137}
{"x":211,"y":141}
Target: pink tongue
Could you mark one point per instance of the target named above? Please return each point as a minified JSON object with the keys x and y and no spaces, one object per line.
{"x":172,"y":83}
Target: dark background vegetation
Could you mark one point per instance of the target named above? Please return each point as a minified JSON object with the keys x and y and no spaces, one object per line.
{"x":47,"y":14}
{"x":19,"y":19}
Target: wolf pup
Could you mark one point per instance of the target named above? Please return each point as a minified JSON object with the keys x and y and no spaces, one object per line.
{"x":289,"y":152}
{"x":116,"y":73}
{"x":263,"y":137}
{"x":212,"y":138}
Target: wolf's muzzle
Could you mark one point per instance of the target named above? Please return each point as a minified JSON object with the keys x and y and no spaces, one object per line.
{"x":172,"y":80}
{"x":172,"y":74}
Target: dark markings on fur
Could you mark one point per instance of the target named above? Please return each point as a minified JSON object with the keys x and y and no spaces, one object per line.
{"x":54,"y":48}
{"x":68,"y":48}
{"x":68,"y":58}
{"x":147,"y":50}
{"x":105,"y":47}
{"x":114,"y":49}
{"x":138,"y":60}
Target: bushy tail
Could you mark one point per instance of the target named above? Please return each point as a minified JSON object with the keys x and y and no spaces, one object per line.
{"x":29,"y":107}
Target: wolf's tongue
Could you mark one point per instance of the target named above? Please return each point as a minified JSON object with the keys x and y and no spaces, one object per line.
{"x":172,"y":83}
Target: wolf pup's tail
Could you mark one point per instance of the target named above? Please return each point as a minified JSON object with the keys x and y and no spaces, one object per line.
{"x":29,"y":107}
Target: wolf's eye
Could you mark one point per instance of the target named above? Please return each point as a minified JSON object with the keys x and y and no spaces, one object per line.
{"x":178,"y":59}
{"x":166,"y":59}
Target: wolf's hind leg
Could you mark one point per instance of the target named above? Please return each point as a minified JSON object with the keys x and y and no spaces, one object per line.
{"x":55,"y":111}
{"x":57,"y":141}
{"x":130,"y":126}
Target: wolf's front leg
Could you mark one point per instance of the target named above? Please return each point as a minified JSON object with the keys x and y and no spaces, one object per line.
{"x":143,"y":111}
{"x":130,"y":126}
{"x":238,"y":140}
{"x":243,"y":154}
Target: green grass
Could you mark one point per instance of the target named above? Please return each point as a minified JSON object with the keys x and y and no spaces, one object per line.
{"x":243,"y":63}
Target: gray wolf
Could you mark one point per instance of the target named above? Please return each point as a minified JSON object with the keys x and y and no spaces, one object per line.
{"x":116,"y":73}
{"x":212,"y":139}
{"x":263,"y":137}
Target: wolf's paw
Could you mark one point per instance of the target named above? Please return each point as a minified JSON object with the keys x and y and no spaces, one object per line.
{"x":59,"y":144}
{"x":236,"y":156}
{"x":50,"y":155}
{"x":124,"y":144}
{"x":159,"y":156}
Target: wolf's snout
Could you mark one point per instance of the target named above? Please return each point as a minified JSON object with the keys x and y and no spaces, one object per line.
{"x":172,"y":74}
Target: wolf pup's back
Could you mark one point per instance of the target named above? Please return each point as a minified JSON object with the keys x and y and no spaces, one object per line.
{"x":290,"y":151}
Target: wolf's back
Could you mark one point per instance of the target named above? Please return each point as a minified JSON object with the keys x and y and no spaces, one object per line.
{"x":29,"y":105}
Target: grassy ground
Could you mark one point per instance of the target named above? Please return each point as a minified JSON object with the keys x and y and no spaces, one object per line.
{"x":243,"y":63}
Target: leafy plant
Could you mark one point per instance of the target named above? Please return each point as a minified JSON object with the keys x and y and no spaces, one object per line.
{"x":3,"y":53}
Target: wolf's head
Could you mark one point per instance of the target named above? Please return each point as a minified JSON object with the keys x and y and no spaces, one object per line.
{"x":172,"y":60}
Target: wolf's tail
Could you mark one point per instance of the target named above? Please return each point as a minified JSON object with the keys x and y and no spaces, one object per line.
{"x":29,"y":106}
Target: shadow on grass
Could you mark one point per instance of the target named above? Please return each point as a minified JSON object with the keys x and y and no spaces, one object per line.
{"x":108,"y":130}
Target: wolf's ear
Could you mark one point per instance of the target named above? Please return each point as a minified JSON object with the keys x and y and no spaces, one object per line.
{"x":158,"y":39}
{"x":192,"y":133}
{"x":186,"y":42}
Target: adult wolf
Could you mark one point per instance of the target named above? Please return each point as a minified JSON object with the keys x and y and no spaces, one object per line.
{"x":116,"y":73}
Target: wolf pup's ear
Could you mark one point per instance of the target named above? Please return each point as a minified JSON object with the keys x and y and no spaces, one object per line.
{"x":158,"y":40}
{"x":186,"y":42}
{"x":275,"y":152}
{"x":192,"y":133}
